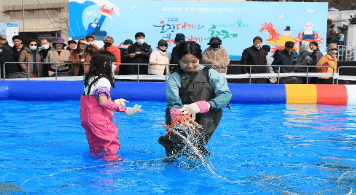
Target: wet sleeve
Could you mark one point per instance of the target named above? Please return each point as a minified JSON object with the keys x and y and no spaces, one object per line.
{"x":172,"y":91}
{"x":101,"y":91}
{"x":221,"y":89}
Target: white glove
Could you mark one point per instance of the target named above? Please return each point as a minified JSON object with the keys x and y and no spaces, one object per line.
{"x":121,"y":101}
{"x":131,"y":111}
{"x":192,"y":109}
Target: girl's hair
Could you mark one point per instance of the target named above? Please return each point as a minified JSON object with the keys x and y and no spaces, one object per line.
{"x":314,"y":43}
{"x":189,"y":47}
{"x":101,"y":65}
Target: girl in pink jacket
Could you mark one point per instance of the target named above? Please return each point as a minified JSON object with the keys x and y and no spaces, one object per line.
{"x":97,"y":108}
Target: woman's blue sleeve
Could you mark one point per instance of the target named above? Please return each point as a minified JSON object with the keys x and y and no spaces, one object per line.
{"x":221,"y":89}
{"x":172,"y":91}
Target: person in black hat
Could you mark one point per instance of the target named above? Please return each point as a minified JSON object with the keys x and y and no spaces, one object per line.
{"x":288,"y":56}
{"x":180,"y":38}
{"x":216,"y":56}
{"x":125,"y":56}
{"x":254,"y":55}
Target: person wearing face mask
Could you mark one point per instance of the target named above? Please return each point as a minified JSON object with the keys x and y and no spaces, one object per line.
{"x":31,"y":54}
{"x":254,"y":55}
{"x":108,"y":46}
{"x":139,"y":53}
{"x":159,"y":59}
{"x":330,"y":59}
{"x":197,"y":91}
{"x":60,"y":56}
{"x":180,"y":38}
{"x":216,"y":56}
{"x":124,"y":50}
{"x":45,"y":47}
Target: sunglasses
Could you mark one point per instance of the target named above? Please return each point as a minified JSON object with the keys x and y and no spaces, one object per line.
{"x":164,"y":45}
{"x":33,"y":45}
{"x":333,"y":49}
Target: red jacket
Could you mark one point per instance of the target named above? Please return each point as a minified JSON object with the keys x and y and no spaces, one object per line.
{"x":114,"y":50}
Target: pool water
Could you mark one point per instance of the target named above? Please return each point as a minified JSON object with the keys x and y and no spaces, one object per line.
{"x":257,"y":149}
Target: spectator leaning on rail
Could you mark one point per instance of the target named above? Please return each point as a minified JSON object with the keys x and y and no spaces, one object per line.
{"x":60,"y":57}
{"x":159,"y":59}
{"x":45,"y":47}
{"x":269,"y":60}
{"x":108,"y":46}
{"x":315,"y":56}
{"x":288,"y":56}
{"x":91,"y":41}
{"x":3,"y":41}
{"x":330,"y":59}
{"x":11,"y":70}
{"x":180,"y":38}
{"x":124,"y":50}
{"x":139,"y":53}
{"x":81,"y":57}
{"x":216,"y":55}
{"x":254,"y":55}
{"x":31,"y":54}
{"x":72,"y":45}
{"x":303,"y":61}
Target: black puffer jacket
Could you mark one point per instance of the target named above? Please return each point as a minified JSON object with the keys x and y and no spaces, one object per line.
{"x":285,"y":58}
{"x":253,"y":56}
{"x":5,"y":56}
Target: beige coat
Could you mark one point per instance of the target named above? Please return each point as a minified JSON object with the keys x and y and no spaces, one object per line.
{"x":160,"y":59}
{"x":53,"y":56}
{"x":26,"y":56}
{"x":210,"y":56}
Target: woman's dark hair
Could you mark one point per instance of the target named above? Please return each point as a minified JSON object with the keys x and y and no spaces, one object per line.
{"x":97,"y":67}
{"x":314,"y":43}
{"x":189,"y":47}
{"x":266,"y":48}
{"x":31,"y":40}
{"x":78,"y":48}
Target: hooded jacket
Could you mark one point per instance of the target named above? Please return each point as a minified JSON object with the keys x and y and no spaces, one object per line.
{"x":210,"y":55}
{"x":160,"y":59}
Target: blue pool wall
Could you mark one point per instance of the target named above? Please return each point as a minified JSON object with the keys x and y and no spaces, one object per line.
{"x":133,"y":91}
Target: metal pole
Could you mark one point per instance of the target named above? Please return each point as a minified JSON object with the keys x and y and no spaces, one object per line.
{"x":138,"y":72}
{"x":249,"y":80}
{"x":166,"y":71}
{"x":279,"y":71}
{"x":23,"y":17}
{"x":307,"y":74}
{"x":3,"y":67}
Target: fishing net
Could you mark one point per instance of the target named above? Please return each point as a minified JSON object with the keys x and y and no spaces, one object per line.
{"x":187,"y":136}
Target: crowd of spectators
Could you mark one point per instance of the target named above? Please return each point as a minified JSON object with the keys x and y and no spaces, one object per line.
{"x":40,"y":58}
